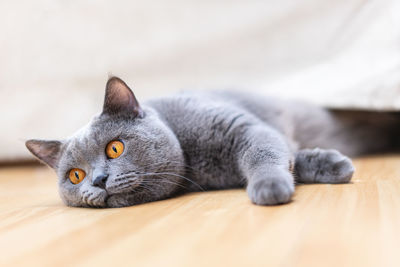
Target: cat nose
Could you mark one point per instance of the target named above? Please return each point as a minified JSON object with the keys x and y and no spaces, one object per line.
{"x":100,"y":181}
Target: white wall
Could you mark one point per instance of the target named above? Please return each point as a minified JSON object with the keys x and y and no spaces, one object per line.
{"x":55,"y":55}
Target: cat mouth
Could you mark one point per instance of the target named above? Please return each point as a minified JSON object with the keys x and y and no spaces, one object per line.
{"x":99,"y":201}
{"x":106,"y":200}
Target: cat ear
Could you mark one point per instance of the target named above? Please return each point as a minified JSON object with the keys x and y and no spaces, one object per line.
{"x":46,"y":151}
{"x":120,"y":99}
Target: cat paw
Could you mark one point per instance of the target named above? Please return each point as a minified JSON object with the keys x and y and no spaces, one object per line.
{"x":323,"y":166}
{"x":271,"y":191}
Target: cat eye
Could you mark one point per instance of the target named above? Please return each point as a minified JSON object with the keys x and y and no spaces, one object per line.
{"x":114,"y":149}
{"x":76,"y":175}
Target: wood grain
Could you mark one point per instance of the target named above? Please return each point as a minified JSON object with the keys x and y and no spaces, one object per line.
{"x":355,"y":224}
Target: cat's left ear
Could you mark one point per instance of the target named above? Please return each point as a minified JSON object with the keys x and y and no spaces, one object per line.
{"x":120,"y":100}
{"x":47,"y":151}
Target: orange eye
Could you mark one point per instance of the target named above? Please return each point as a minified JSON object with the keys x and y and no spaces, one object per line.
{"x":76,"y":176}
{"x":114,"y":149}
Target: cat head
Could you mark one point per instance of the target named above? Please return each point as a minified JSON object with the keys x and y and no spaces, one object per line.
{"x":124,"y":156}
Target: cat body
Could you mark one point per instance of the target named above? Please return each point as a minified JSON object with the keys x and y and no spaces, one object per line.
{"x":197,"y":141}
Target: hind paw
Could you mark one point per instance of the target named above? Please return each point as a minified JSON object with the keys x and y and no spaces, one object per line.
{"x":323,"y":166}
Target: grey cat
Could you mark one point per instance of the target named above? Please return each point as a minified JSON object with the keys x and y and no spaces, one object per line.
{"x":132,"y":154}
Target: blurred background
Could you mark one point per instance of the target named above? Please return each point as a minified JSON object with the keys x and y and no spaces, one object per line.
{"x":55,"y":56}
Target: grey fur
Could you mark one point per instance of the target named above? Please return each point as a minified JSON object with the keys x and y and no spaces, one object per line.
{"x":216,"y":140}
{"x":323,"y":166}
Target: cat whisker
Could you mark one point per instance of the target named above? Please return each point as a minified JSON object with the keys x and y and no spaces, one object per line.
{"x":126,"y":183}
{"x":166,"y":173}
{"x":167,"y":166}
{"x":125,"y":187}
{"x":166,"y":180}
{"x":167,"y":163}
{"x":146,"y":190}
{"x":125,"y":180}
{"x":177,"y":175}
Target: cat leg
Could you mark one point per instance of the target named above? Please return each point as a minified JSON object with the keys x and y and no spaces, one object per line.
{"x":322,"y":166}
{"x":265,"y":162}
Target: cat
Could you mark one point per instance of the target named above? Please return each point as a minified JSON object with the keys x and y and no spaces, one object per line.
{"x":193,"y":141}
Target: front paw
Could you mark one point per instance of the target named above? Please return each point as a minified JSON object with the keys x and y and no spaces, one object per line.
{"x":271,"y":191}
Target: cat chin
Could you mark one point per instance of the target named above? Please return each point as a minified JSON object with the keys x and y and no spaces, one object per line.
{"x":116,"y":201}
{"x":98,"y":200}
{"x":127,"y":199}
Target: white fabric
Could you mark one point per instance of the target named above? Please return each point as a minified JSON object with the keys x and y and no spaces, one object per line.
{"x":55,"y":55}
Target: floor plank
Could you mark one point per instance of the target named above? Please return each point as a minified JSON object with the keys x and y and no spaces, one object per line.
{"x":355,"y":224}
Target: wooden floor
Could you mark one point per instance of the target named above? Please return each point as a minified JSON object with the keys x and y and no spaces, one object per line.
{"x":355,"y":224}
